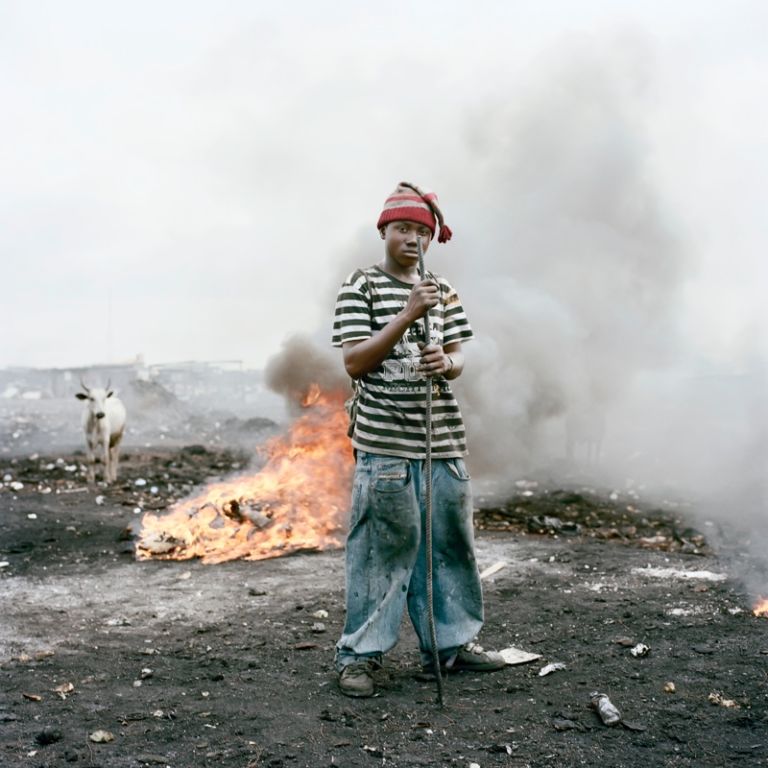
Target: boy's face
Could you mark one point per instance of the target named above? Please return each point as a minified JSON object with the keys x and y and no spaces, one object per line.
{"x":401,"y":242}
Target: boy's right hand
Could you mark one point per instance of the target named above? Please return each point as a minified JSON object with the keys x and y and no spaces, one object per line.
{"x":423,"y":297}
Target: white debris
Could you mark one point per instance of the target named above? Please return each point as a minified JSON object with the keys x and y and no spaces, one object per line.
{"x":686,"y":611}
{"x":675,"y":573}
{"x":516,"y":656}
{"x":550,"y":668}
{"x":32,"y":516}
{"x":7,"y":478}
{"x":17,"y":486}
{"x":4,"y":564}
{"x":640,"y":650}
{"x":100,"y":500}
{"x":140,"y":481}
{"x":101,"y":737}
{"x":491,"y":569}
{"x":321,"y":614}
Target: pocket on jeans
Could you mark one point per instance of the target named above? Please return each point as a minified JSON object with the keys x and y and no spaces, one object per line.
{"x":391,"y":476}
{"x":457,"y":468}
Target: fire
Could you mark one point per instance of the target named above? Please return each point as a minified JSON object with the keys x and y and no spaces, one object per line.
{"x":761,"y":607}
{"x":295,"y":502}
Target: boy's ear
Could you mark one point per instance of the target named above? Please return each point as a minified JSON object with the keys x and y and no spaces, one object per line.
{"x":383,"y":232}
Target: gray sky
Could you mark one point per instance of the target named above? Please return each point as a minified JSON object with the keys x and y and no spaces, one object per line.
{"x":192,"y":180}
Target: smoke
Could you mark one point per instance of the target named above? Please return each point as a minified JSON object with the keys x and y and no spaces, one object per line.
{"x":573,"y":269}
{"x":302,"y":363}
{"x":573,"y":277}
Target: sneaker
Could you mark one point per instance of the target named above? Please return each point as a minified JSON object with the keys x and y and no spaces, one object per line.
{"x":473,"y":658}
{"x":356,"y":680}
{"x":470,"y":658}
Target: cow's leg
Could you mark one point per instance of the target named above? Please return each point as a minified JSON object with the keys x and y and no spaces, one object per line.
{"x":90,"y":467}
{"x":114,"y":457}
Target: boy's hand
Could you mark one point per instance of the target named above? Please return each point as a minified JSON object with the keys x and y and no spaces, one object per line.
{"x":434,"y":361}
{"x":422,"y":298}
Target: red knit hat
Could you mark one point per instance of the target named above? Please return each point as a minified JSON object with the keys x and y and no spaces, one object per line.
{"x":409,"y":203}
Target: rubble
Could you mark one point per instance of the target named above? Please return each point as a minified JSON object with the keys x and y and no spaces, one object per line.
{"x":537,"y":510}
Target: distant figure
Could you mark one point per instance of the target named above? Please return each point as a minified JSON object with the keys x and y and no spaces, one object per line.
{"x":103,"y":423}
{"x":585,"y":427}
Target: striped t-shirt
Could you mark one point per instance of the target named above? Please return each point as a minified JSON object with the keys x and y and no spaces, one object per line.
{"x":391,"y":414}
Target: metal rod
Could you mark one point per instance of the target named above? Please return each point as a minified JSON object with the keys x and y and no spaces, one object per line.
{"x":428,"y":506}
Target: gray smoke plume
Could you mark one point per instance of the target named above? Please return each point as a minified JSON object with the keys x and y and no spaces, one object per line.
{"x":573,"y":282}
{"x":302,"y":363}
{"x":569,"y":263}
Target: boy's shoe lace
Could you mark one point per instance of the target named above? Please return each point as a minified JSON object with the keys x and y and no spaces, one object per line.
{"x":356,"y":680}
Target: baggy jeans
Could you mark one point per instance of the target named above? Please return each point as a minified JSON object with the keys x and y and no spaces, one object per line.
{"x":386,"y":558}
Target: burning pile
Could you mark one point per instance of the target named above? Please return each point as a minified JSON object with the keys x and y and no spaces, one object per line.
{"x":296,"y":502}
{"x":761,"y":607}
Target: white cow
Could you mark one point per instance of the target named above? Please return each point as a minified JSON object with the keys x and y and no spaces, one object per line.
{"x":103,"y":422}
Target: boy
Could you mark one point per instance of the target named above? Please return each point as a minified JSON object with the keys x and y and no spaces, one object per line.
{"x":379,"y":326}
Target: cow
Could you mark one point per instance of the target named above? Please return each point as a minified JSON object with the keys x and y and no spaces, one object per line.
{"x":103,"y":423}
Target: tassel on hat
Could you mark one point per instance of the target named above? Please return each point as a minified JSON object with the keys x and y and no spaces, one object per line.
{"x":409,"y":203}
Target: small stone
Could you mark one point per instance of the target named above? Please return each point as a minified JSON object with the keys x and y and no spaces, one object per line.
{"x":48,"y":735}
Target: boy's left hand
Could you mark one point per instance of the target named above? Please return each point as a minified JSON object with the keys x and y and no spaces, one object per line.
{"x":434,"y":361}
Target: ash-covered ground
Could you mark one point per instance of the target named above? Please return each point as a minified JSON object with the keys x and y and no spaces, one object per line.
{"x":107,"y":661}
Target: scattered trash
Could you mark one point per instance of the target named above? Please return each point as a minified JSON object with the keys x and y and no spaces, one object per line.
{"x":146,"y":672}
{"x":318,"y":627}
{"x":669,"y":687}
{"x":491,"y":569}
{"x":32,"y":516}
{"x":101,"y":737}
{"x":17,"y":486}
{"x":550,"y":668}
{"x":605,"y":708}
{"x":640,"y":650}
{"x":32,"y":697}
{"x":625,"y":641}
{"x":100,"y":500}
{"x":63,"y":689}
{"x":717,"y":698}
{"x":548,"y":524}
{"x":140,"y":481}
{"x":515,"y":656}
{"x":4,"y":564}
{"x":321,"y":614}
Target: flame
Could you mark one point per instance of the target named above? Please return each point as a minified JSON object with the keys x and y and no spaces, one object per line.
{"x":761,"y":607}
{"x":295,"y":502}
